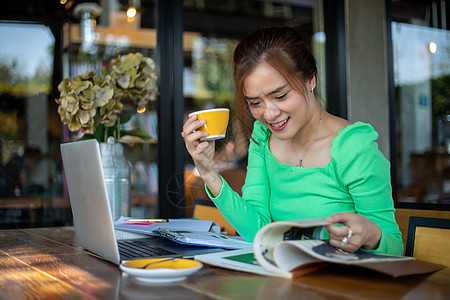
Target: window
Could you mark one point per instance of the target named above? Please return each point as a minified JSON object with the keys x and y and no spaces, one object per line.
{"x":32,"y":188}
{"x":30,"y":176}
{"x":421,"y":48}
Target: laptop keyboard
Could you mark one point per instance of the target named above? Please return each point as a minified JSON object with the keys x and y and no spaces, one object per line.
{"x":136,"y":248}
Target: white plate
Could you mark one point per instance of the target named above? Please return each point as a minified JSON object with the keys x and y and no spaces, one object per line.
{"x":166,"y":271}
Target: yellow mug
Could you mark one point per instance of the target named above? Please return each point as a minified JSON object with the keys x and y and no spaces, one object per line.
{"x":216,"y":122}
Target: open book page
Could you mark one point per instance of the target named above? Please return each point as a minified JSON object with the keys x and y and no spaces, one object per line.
{"x":293,"y":262}
{"x":240,"y":260}
{"x":288,"y":249}
{"x":289,"y":254}
{"x":272,"y":234}
{"x":295,"y":252}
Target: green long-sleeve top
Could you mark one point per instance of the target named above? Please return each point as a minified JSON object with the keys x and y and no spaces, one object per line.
{"x":357,"y":179}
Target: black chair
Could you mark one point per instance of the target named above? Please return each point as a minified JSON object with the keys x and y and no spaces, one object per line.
{"x":429,"y":240}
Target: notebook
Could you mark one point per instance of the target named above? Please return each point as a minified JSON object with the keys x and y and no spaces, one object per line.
{"x":92,"y":216}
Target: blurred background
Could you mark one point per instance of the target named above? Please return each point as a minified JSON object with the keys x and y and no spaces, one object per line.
{"x":385,"y":62}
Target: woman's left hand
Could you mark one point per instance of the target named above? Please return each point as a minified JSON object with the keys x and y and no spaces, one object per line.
{"x":357,"y":231}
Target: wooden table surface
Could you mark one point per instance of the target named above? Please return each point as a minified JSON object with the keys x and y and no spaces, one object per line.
{"x":45,"y":263}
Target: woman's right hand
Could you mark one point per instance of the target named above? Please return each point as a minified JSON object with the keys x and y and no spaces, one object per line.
{"x":202,"y":152}
{"x":357,"y":232}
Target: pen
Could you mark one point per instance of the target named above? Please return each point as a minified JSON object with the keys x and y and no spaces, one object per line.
{"x":147,"y":220}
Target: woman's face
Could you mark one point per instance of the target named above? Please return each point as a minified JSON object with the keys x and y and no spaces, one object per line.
{"x":273,"y":102}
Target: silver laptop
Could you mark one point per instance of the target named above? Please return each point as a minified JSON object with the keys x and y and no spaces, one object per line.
{"x":92,"y":215}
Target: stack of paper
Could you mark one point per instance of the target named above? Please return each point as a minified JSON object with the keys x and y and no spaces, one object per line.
{"x":151,"y":228}
{"x":206,"y":239}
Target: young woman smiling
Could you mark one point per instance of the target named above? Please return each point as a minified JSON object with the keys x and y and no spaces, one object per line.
{"x":303,"y":162}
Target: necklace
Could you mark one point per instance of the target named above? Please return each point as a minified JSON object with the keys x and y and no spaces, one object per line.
{"x":300,"y":160}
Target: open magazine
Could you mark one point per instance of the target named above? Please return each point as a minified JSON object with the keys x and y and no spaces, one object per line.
{"x":286,"y":249}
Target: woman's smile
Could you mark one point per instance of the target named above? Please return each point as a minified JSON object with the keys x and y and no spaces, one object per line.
{"x":280,"y":125}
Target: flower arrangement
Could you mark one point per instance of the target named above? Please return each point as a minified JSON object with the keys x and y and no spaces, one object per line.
{"x":97,"y":105}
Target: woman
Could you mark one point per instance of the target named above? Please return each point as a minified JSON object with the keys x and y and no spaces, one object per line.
{"x":303,"y":162}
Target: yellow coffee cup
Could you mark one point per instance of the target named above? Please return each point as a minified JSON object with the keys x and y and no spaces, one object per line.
{"x":216,"y":122}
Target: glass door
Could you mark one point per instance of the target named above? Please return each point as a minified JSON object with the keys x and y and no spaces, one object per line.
{"x":421,"y":47}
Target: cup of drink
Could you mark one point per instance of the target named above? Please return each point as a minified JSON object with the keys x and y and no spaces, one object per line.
{"x":216,"y":122}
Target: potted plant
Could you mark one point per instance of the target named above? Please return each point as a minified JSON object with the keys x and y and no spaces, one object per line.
{"x":97,"y":105}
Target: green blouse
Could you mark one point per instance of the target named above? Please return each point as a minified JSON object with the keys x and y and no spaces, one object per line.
{"x":357,"y":179}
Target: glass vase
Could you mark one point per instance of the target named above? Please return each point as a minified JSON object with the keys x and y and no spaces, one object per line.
{"x":116,"y":172}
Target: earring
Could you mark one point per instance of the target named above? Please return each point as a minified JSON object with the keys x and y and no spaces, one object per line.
{"x":312,"y":90}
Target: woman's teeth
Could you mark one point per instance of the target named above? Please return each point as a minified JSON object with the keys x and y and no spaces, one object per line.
{"x":279,"y":124}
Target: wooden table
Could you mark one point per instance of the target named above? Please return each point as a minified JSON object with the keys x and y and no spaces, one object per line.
{"x":34,"y":212}
{"x":45,"y":263}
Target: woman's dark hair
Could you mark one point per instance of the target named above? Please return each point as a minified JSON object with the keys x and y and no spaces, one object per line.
{"x":280,"y":47}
